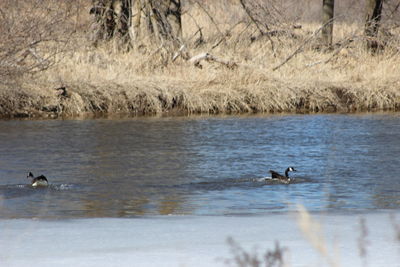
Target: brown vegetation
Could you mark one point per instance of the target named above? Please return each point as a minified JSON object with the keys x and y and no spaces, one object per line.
{"x":146,"y":80}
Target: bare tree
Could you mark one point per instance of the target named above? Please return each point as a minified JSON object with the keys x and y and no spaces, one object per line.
{"x":327,"y":21}
{"x":33,"y":33}
{"x":111,"y":19}
{"x":373,"y":18}
{"x":134,"y":22}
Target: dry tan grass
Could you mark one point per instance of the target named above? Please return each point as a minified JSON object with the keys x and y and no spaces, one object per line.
{"x":312,"y":231}
{"x":105,"y":81}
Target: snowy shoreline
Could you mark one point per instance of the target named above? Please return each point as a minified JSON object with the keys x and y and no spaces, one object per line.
{"x":201,"y":240}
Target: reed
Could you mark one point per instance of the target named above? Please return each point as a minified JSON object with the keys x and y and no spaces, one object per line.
{"x":313,"y":232}
{"x":145,"y":81}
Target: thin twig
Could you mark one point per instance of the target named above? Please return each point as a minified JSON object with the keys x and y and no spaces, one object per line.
{"x":197,"y":25}
{"x":210,"y":17}
{"x":394,"y":9}
{"x":224,"y":37}
{"x":337,"y":51}
{"x":303,"y":44}
{"x":258,"y":27}
{"x":246,"y":9}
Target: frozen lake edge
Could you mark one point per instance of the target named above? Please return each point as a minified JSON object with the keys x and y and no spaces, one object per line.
{"x":202,"y":240}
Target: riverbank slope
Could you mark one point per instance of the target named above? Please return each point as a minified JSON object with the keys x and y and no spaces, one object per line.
{"x":116,"y":88}
{"x":286,"y":70}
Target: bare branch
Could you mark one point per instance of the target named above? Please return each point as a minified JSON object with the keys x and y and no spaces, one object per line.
{"x":210,"y":58}
{"x":300,"y":47}
{"x":210,"y":17}
{"x":248,"y":12}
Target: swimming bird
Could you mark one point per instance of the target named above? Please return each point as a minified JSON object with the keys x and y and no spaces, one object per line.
{"x":38,"y":181}
{"x":284,"y":179}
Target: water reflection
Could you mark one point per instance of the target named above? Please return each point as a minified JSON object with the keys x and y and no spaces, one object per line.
{"x":135,"y":167}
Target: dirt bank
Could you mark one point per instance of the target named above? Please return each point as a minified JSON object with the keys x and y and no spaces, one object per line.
{"x":286,"y":70}
{"x":171,"y":97}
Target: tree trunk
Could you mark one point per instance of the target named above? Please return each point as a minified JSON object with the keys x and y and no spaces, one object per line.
{"x":174,"y":17}
{"x":135,"y":22}
{"x":111,"y":19}
{"x":373,"y":18}
{"x":327,"y":21}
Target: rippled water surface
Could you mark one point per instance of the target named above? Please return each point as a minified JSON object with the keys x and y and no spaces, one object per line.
{"x":201,"y":166}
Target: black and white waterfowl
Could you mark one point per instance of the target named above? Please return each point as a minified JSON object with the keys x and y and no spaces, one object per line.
{"x":37,"y":181}
{"x":284,"y":179}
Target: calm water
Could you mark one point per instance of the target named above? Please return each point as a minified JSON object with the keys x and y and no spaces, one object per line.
{"x":201,"y":166}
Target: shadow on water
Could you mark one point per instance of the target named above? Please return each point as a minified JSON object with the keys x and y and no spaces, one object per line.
{"x":26,"y":190}
{"x":242,"y":183}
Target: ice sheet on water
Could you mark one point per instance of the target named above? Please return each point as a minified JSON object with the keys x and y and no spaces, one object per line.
{"x":193,"y":241}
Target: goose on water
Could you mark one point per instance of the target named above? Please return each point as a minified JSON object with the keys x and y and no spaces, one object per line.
{"x":37,"y":181}
{"x":282,"y":178}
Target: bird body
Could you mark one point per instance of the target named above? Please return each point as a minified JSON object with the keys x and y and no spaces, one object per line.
{"x":282,"y":178}
{"x":39,"y":181}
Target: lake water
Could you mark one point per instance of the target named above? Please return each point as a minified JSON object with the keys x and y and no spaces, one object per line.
{"x":199,"y":165}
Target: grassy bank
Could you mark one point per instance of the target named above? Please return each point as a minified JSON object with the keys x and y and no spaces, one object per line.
{"x":103,"y":80}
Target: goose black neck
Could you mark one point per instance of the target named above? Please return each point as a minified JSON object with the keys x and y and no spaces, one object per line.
{"x":287,"y":173}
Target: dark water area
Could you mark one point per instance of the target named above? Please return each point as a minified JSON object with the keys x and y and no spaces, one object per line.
{"x":199,"y":165}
